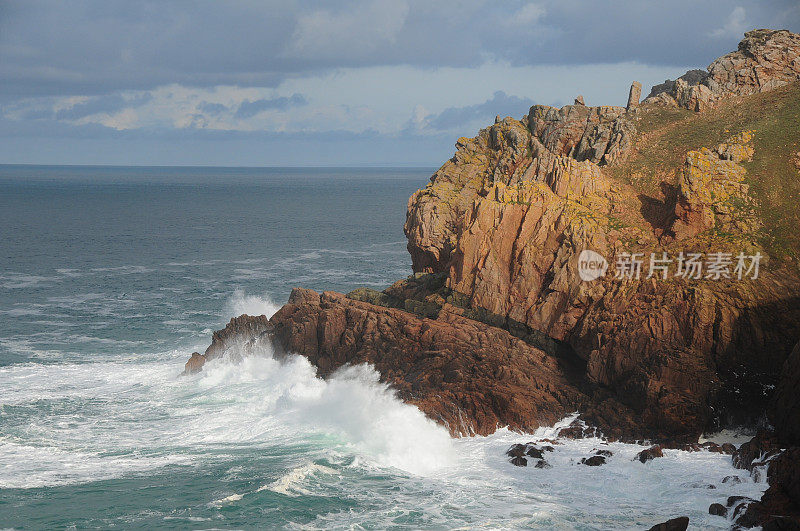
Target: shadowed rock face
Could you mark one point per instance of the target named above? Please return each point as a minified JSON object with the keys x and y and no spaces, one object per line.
{"x":786,"y":410}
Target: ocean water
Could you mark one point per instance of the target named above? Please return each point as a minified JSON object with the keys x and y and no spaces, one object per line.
{"x":110,"y":277}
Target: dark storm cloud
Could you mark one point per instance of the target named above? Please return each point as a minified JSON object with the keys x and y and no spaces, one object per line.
{"x":54,"y":47}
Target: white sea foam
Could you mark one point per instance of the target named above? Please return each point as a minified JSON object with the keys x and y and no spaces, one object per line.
{"x":290,"y":483}
{"x":239,"y":303}
{"x":347,"y":436}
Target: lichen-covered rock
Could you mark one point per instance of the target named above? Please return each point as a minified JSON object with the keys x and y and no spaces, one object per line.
{"x":712,"y":189}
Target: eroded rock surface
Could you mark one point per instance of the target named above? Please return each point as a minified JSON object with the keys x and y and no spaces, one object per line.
{"x":765,"y":60}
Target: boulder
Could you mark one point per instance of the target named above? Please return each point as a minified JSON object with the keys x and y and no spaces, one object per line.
{"x":717,"y":509}
{"x":595,"y":460}
{"x":649,"y":454}
{"x":676,"y":524}
{"x":519,"y":461}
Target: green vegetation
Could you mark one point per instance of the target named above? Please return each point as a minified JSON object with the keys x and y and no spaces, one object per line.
{"x":667,"y":134}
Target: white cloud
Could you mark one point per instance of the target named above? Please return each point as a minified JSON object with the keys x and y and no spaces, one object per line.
{"x":735,"y":25}
{"x":387,"y":100}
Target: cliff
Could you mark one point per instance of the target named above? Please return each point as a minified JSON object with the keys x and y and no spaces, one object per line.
{"x":498,"y":328}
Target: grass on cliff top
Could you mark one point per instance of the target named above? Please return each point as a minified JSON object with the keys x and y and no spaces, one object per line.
{"x":667,"y":134}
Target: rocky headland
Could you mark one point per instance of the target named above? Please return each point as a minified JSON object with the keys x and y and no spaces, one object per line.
{"x":495,"y":327}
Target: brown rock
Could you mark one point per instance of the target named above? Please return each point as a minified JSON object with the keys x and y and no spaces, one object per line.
{"x":766,"y":59}
{"x":519,"y":461}
{"x":595,"y":460}
{"x":470,"y":377}
{"x":634,"y":95}
{"x":649,"y":454}
{"x":195,"y":363}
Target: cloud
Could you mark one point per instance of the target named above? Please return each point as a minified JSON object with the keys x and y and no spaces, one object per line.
{"x":355,"y":32}
{"x":735,"y":25}
{"x":459,"y":117}
{"x":527,"y":15}
{"x":248,"y":108}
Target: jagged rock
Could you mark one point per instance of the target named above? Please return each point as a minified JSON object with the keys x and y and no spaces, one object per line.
{"x":604,"y":453}
{"x":195,"y":363}
{"x":579,"y":100}
{"x":468,"y":376}
{"x":595,"y":460}
{"x":649,"y":454}
{"x":541,"y":463}
{"x":534,"y":452}
{"x":728,"y":448}
{"x":243,"y":335}
{"x":765,"y":60}
{"x":517,"y":450}
{"x":577,"y":430}
{"x":676,"y":524}
{"x":732,"y":479}
{"x":634,"y":95}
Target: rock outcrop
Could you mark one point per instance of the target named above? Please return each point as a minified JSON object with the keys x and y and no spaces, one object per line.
{"x":465,"y":375}
{"x":505,"y":221}
{"x":497,"y":328}
{"x":766,"y":59}
{"x":244,"y":335}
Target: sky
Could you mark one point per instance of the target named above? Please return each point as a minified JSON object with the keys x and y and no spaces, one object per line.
{"x":333,"y":83}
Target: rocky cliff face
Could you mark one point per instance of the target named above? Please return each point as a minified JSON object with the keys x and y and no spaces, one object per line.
{"x":507,"y":217}
{"x":766,"y":59}
{"x":498,"y":328}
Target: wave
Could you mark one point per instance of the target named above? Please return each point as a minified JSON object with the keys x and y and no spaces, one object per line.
{"x":239,"y":303}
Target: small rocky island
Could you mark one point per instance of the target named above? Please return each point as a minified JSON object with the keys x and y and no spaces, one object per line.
{"x":496,"y":327}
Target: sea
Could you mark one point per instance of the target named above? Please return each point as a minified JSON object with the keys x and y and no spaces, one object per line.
{"x":111,"y":276}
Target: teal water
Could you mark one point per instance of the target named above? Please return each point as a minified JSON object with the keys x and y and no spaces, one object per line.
{"x":110,"y":277}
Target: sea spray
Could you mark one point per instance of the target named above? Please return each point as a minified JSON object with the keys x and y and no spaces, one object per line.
{"x":239,"y":303}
